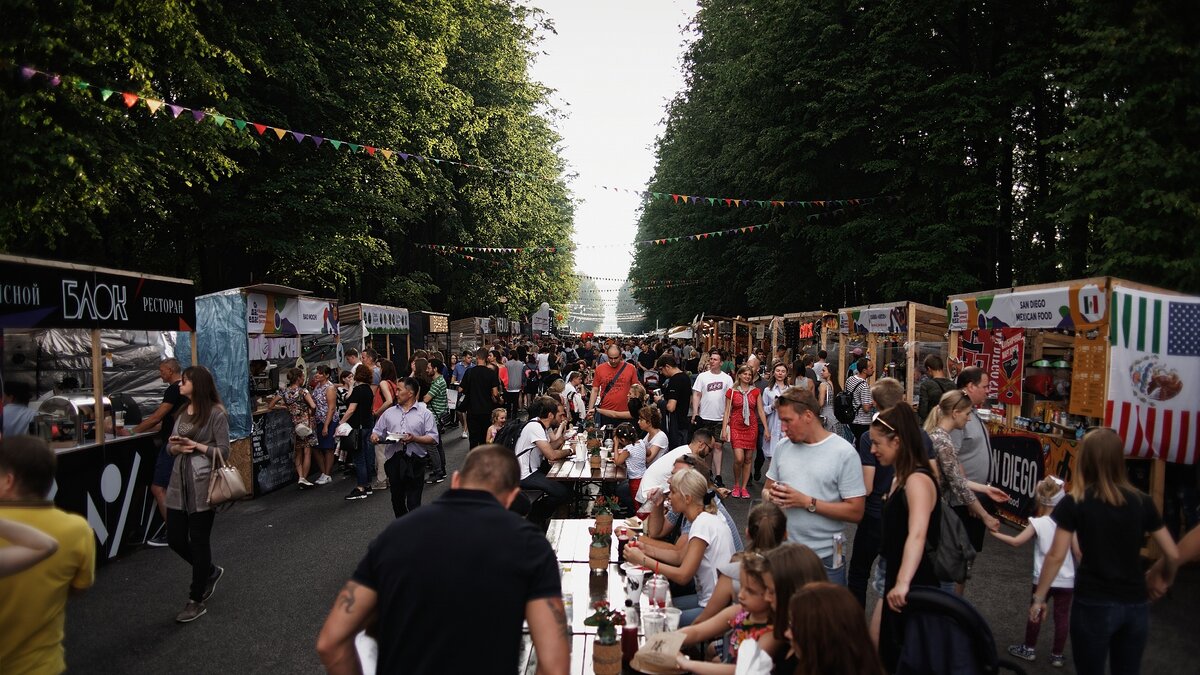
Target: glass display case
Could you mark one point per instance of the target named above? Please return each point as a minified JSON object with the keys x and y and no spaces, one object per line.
{"x":68,"y":420}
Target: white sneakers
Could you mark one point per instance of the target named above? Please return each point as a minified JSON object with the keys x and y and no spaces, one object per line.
{"x":324,"y":479}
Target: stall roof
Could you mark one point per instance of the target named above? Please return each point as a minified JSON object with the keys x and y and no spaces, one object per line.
{"x":275,"y":289}
{"x":88,"y":268}
{"x":808,"y":315}
{"x":890,"y":305}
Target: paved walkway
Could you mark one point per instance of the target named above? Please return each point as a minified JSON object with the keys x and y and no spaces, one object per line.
{"x":287,"y":554}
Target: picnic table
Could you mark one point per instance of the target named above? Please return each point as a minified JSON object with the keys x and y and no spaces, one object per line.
{"x":581,"y":475}
{"x":570,"y":539}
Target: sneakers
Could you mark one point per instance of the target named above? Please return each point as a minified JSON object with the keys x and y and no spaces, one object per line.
{"x":304,"y":483}
{"x":1022,"y":652}
{"x":358,"y":493}
{"x":719,"y":482}
{"x":434,"y":480}
{"x":1057,"y":660}
{"x":745,"y":493}
{"x":160,"y":539}
{"x":379,"y":485}
{"x":323,"y":479}
{"x":191,"y":611}
{"x":464,"y":434}
{"x":213,"y":578}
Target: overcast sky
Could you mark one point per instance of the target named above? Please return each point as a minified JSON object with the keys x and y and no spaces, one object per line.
{"x":615,"y":64}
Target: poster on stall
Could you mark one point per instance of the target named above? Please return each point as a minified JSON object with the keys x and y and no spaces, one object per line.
{"x":1062,"y":307}
{"x":485,"y":326}
{"x":1154,"y":374}
{"x":272,"y":314}
{"x":1059,"y":453}
{"x":266,"y":348}
{"x":881,"y":320}
{"x":1089,"y":367}
{"x":1017,"y":467}
{"x":317,"y":317}
{"x":385,"y":320}
{"x":1001,"y":354}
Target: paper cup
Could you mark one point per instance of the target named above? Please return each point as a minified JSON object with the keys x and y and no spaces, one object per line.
{"x":671,"y":618}
{"x":634,"y":581}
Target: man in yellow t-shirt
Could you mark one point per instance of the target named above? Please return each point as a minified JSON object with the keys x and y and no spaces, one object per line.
{"x":33,"y":603}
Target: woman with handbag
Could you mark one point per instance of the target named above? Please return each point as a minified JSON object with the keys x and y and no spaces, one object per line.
{"x":199,"y":442}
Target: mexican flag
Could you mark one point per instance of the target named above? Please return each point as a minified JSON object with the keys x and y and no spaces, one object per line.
{"x":1154,"y":374}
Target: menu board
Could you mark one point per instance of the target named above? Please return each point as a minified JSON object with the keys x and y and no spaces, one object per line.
{"x":271,"y":448}
{"x":1087,"y":375}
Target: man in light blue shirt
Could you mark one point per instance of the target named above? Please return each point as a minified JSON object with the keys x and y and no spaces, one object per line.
{"x":816,"y":478}
{"x":406,"y":432}
{"x":17,"y":415}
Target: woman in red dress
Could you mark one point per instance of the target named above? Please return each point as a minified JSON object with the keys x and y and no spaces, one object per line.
{"x":743,"y":412}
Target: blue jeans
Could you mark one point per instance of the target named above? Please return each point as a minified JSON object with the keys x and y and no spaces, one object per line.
{"x":1103,"y":630}
{"x":364,"y":461}
{"x":690,"y":608}
{"x":836,"y":575}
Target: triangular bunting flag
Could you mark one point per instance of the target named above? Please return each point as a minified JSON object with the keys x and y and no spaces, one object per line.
{"x":240,"y":124}
{"x":354,"y":147}
{"x":403,"y":156}
{"x":337,"y":145}
{"x":198,"y":115}
{"x":219,"y":120}
{"x":317,"y":140}
{"x":260,"y":128}
{"x":280,"y":133}
{"x":27,"y":73}
{"x":371,"y":150}
{"x":55,"y":80}
{"x":82,"y":85}
{"x":153,"y":105}
{"x":299,"y":136}
{"x":387,"y":154}
{"x":675,"y":198}
{"x":175,"y":109}
{"x":105,"y":93}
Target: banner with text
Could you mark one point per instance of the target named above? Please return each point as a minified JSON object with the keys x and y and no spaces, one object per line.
{"x":1001,"y":354}
{"x":1062,"y":308}
{"x":384,"y":320}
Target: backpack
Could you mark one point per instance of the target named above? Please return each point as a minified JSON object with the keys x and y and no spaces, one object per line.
{"x":510,"y":433}
{"x":844,"y":408}
{"x":953,"y":555}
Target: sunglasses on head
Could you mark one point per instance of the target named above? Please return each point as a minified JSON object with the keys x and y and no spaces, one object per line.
{"x":877,"y":418}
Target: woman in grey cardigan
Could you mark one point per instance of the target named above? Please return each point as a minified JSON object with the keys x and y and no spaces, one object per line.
{"x":200,"y":432}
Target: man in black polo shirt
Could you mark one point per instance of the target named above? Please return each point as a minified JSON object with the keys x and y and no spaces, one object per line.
{"x":463,"y":554}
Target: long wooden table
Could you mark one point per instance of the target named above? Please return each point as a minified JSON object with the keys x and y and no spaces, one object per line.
{"x":571,"y":541}
{"x":581,"y":474}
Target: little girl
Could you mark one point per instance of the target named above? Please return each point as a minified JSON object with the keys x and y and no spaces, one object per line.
{"x":499,"y":417}
{"x":750,"y":619}
{"x":631,"y":454}
{"x":1049,"y":492}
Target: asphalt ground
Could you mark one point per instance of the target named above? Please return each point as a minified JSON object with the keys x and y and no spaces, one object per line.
{"x":287,"y":554}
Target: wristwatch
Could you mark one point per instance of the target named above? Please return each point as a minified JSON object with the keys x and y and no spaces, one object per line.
{"x":812,"y":506}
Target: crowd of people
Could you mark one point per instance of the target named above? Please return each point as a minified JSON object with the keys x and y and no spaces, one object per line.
{"x":785,"y":591}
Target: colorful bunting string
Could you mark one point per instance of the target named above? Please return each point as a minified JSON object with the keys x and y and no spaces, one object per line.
{"x":130,"y":99}
{"x":470,"y":258}
{"x":486,"y":249}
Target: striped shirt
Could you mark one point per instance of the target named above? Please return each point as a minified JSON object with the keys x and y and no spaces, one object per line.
{"x":437,"y":393}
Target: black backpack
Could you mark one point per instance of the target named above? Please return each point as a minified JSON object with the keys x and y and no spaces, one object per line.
{"x":953,"y":554}
{"x":510,"y":433}
{"x":843,"y":404}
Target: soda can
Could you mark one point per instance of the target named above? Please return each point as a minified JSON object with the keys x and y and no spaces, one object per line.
{"x":839,"y":545}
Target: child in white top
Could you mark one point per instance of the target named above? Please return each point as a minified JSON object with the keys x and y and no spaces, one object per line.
{"x":1049,"y":492}
{"x":499,"y":418}
{"x":630,"y":453}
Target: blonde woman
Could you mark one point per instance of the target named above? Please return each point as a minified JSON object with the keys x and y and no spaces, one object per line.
{"x":695,"y":558}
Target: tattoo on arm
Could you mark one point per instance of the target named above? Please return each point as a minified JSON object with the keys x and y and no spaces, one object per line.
{"x":346,"y":597}
{"x":560,"y":615}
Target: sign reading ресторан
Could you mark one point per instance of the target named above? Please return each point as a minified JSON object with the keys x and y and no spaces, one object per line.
{"x":35,"y":294}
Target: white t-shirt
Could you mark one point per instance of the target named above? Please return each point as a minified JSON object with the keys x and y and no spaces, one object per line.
{"x":829,"y":471}
{"x":658,"y":473}
{"x":530,"y":461}
{"x":712,"y":394}
{"x":635,"y":464}
{"x":660,"y":439}
{"x":1045,"y":529}
{"x":572,"y":397}
{"x":818,"y":368}
{"x":710,"y":528}
{"x":543,"y":361}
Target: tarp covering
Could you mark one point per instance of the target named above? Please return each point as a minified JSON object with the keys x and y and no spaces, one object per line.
{"x":42,"y":358}
{"x":221,"y":345}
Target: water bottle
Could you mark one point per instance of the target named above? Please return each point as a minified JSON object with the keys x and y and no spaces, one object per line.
{"x":839,"y":544}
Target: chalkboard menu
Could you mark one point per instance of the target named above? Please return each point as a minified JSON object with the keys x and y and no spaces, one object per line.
{"x":791,"y":334}
{"x":272,"y":448}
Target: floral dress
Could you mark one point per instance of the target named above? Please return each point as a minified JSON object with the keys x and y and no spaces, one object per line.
{"x":298,"y":408}
{"x":740,"y":630}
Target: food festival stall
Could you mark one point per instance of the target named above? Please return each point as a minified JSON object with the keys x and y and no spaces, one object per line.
{"x":732,"y":335}
{"x":362,"y":325}
{"x":1065,"y":357}
{"x":97,"y":327}
{"x":249,"y":337}
{"x":896,"y":336}
{"x":431,"y":331}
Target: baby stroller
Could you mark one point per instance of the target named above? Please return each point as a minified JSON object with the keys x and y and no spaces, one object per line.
{"x":944,"y":633}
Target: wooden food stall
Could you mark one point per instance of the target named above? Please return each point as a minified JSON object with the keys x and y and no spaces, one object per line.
{"x":249,"y":337}
{"x":431,"y":331}
{"x":382,"y":328}
{"x":1065,"y":357}
{"x":732,"y":335}
{"x":103,"y":471}
{"x":895,"y":335}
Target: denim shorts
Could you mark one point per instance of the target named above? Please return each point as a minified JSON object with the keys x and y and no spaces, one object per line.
{"x":878,"y":575}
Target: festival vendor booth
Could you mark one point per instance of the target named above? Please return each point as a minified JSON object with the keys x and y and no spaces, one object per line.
{"x":431,"y":331}
{"x":733,"y":335}
{"x":89,"y":340}
{"x":1061,"y":358}
{"x":249,"y":338}
{"x":464,"y":335}
{"x":384,"y":329}
{"x":897,"y":336}
{"x":808,"y":332}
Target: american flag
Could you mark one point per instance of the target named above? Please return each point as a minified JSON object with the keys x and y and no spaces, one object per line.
{"x":1163,"y":331}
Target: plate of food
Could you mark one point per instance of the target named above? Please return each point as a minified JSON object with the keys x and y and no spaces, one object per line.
{"x":633,"y":523}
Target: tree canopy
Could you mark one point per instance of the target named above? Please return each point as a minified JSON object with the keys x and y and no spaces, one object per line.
{"x":93,"y":181}
{"x":1044,"y":141}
